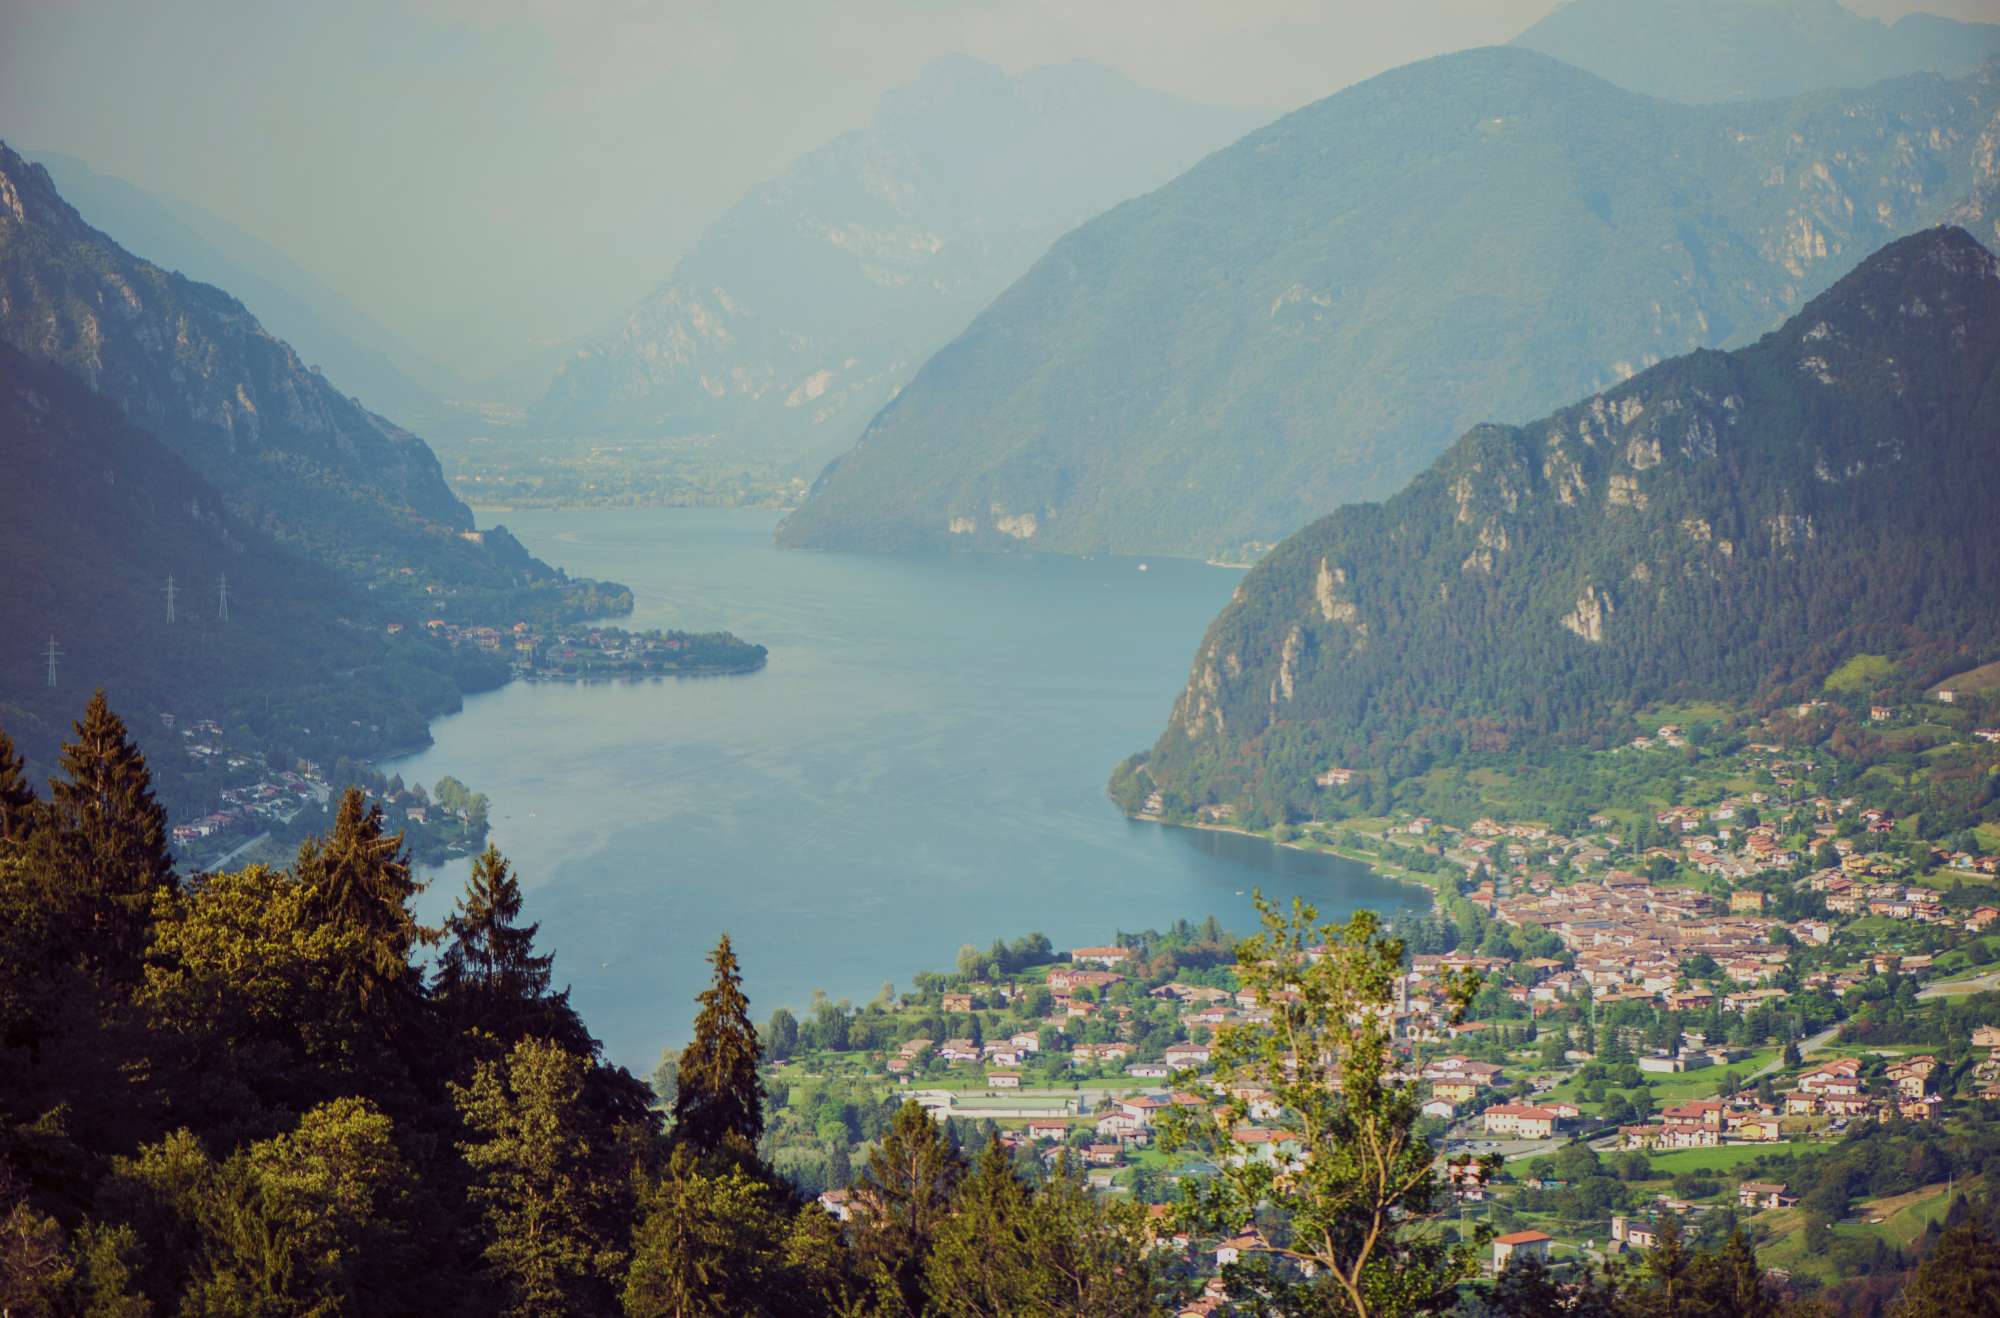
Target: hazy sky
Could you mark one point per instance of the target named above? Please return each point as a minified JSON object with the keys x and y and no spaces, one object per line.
{"x":480,"y":174}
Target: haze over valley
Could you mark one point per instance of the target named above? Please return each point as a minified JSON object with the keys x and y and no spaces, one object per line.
{"x":975,"y":659}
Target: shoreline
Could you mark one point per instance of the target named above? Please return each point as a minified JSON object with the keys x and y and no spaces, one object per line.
{"x":1375,"y":864}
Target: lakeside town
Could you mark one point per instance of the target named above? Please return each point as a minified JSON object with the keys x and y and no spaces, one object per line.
{"x":592,"y":652}
{"x":263,"y":808}
{"x":1695,"y":1015}
{"x":250,"y":800}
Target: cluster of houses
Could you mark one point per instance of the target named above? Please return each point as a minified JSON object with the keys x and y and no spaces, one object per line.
{"x":564,"y":651}
{"x":1707,"y":1122}
{"x":1629,"y":938}
{"x":261,"y":799}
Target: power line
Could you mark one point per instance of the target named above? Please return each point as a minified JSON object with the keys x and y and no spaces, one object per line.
{"x":171,"y":592}
{"x":224,"y":596}
{"x":54,"y":654}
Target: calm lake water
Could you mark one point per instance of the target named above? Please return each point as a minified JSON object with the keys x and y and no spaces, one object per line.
{"x":920,"y":766}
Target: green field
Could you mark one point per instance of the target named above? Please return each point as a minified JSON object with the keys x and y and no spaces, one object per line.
{"x":1983,"y":678}
{"x":1860,"y":673}
{"x":1693,"y":711}
{"x":1726,"y":1157}
{"x":1902,"y":1219}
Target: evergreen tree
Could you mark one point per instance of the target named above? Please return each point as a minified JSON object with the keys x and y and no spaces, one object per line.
{"x":906,"y":1194}
{"x":548,"y":1179}
{"x":359,"y":878}
{"x":719,"y":1096}
{"x":1729,"y":1283}
{"x":17,"y":795}
{"x":489,"y":975}
{"x":708,"y":1244}
{"x":1668,"y":1283}
{"x":1527,"y":1288}
{"x":1961,"y":1278}
{"x":979,"y":1263}
{"x":106,"y":856}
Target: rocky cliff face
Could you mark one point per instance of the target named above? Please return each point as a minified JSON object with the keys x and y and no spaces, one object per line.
{"x":1720,"y":526}
{"x":814,"y":298}
{"x":187,"y":362}
{"x":308,"y":466}
{"x":1308,"y":316}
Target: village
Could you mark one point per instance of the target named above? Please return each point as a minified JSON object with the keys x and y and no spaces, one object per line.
{"x":583,"y":652}
{"x":1679,"y":1018}
{"x":260,"y":810}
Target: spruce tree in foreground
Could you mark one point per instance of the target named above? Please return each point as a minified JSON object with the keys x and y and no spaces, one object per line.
{"x":720,"y":1097}
{"x":906,"y":1197}
{"x":359,"y":879}
{"x":1961,"y":1278}
{"x":17,"y":795}
{"x":107,"y":854}
{"x":489,"y":968}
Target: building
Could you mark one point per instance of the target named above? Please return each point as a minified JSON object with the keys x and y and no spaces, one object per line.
{"x":1521,"y":1121}
{"x":1757,"y":1195}
{"x":1635,"y":1235}
{"x":1520,"y":1244}
{"x":1233,"y":1249}
{"x":1108,"y":957}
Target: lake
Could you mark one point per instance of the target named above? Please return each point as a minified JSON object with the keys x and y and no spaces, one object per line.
{"x":920,"y":766}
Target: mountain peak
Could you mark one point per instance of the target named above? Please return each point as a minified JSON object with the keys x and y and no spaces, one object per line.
{"x":1308,"y":316}
{"x":1943,"y":258}
{"x":1930,"y":287}
{"x":1726,"y":524}
{"x":1736,"y":50}
{"x":28,"y":195}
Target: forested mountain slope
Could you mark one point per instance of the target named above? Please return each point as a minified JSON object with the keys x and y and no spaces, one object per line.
{"x":328,"y":332}
{"x":1725,"y":525}
{"x":291,"y":454}
{"x":814,"y":298}
{"x":1735,"y":50}
{"x":1309,"y":316}
{"x":95,"y":516}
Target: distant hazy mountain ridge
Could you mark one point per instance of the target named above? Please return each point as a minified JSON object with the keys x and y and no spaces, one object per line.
{"x":185,"y":360}
{"x":358,"y":353}
{"x":1734,"y":50}
{"x":1308,"y":316}
{"x":188,"y":364}
{"x":816,"y":296}
{"x":1724,"y":526}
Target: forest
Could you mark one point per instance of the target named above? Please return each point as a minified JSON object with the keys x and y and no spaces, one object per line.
{"x":275,"y":1092}
{"x":1722,"y":527}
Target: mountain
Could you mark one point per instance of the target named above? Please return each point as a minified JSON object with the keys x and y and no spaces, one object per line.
{"x":814,"y":298}
{"x":1733,"y":50}
{"x":289,"y":453}
{"x":337,"y":338}
{"x":1724,"y":526}
{"x":1309,"y":316}
{"x":95,"y":515}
